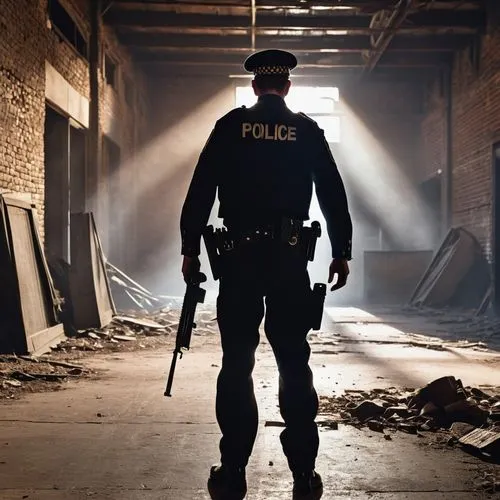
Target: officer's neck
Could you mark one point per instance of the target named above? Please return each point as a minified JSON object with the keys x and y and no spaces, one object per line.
{"x":270,"y":92}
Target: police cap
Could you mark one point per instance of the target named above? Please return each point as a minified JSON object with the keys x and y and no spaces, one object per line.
{"x":270,"y":62}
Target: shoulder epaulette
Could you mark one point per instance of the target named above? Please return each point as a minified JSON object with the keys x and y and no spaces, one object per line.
{"x":232,"y":114}
{"x":308,"y":118}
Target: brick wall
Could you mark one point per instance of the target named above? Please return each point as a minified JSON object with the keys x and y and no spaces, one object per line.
{"x":26,"y":42}
{"x":22,"y":80}
{"x":475,"y":128}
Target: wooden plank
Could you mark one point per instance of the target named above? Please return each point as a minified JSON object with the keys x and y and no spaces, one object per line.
{"x":29,"y":319}
{"x":347,"y":7}
{"x":92,"y":302}
{"x":41,"y":342}
{"x":446,"y":270}
{"x":323,"y":45}
{"x":482,"y":439}
{"x":421,"y":19}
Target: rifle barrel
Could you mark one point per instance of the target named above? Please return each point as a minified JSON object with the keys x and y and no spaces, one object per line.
{"x":168,"y":389}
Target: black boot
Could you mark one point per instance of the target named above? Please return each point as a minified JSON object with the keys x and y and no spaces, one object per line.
{"x":307,"y":486}
{"x":227,"y":483}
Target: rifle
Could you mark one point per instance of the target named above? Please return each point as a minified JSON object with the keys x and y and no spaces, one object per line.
{"x":194,"y":294}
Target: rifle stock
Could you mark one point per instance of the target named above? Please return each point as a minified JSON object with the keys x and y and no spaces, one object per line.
{"x":194,"y":295}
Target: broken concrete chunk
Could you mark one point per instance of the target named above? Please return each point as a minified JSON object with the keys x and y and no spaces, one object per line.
{"x":431,"y":410}
{"x":366,"y":410}
{"x":400,"y":411}
{"x":376,"y":426}
{"x":409,"y":428}
{"x":331,"y":424}
{"x":495,"y":416}
{"x":274,"y":423}
{"x":466,"y":411}
{"x":442,"y":392}
{"x":460,"y":429}
{"x":478,"y":393}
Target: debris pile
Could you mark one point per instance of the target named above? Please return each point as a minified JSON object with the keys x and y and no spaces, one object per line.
{"x":133,"y":331}
{"x":20,"y":374}
{"x":470,"y":415}
{"x":27,"y":374}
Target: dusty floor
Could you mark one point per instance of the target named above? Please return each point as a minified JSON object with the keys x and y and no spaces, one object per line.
{"x":115,"y":436}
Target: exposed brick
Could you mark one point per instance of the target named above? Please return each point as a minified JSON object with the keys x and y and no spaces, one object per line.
{"x":26,"y":42}
{"x":475,"y":128}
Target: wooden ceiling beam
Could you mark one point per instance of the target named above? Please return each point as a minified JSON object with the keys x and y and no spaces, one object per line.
{"x":284,"y":32}
{"x":219,"y":45}
{"x":305,"y":60}
{"x":153,"y":20}
{"x":235,"y":7}
{"x":300,"y":76}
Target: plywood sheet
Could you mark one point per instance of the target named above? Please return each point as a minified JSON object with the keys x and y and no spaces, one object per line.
{"x":28,"y":315}
{"x":92,"y":302}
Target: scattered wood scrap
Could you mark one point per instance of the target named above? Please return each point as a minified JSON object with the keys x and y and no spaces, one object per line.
{"x":128,"y":294}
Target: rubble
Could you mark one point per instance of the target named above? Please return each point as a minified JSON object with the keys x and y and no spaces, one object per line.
{"x":127,"y":332}
{"x":20,"y":374}
{"x":467,"y":415}
{"x":133,"y":330}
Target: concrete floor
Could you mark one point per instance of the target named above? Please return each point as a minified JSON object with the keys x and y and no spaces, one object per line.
{"x":120,"y":438}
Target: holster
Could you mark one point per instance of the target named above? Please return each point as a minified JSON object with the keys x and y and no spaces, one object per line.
{"x":317,"y":305}
{"x":216,"y":242}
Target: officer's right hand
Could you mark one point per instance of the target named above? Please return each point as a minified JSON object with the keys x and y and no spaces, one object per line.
{"x":190,"y":266}
{"x":339,"y":267}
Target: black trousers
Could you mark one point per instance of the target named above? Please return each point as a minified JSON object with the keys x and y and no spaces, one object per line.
{"x":274,"y":273}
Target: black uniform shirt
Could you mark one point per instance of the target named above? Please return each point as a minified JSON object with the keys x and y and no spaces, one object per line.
{"x":264,"y":160}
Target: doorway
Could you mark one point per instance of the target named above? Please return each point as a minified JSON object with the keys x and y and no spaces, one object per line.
{"x":65,"y":192}
{"x":114,"y":222}
{"x":430,"y":191}
{"x":496,"y":226}
{"x":56,"y":215}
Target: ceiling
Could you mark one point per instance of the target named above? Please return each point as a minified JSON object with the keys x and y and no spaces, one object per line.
{"x":409,"y":38}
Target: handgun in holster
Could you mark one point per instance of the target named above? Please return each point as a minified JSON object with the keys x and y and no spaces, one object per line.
{"x":295,"y":233}
{"x":216,"y":242}
{"x":310,"y":236}
{"x":317,"y":304}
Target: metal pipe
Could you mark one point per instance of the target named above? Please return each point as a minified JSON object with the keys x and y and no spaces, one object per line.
{"x":254,"y":18}
{"x":94,"y":136}
{"x":447,"y":220}
{"x":107,"y":7}
{"x":388,"y":33}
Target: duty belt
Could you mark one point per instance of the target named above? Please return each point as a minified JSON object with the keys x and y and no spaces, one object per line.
{"x":221,"y":241}
{"x":288,"y":230}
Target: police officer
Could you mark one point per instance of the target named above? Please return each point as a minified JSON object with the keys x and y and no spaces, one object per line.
{"x":263,"y":161}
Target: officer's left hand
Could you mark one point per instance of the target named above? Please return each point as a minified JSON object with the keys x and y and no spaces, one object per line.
{"x":190,"y":266}
{"x":339,"y":267}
